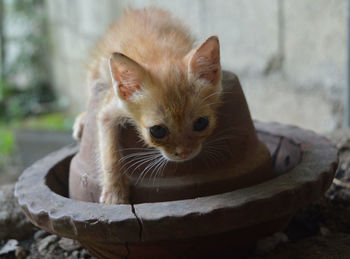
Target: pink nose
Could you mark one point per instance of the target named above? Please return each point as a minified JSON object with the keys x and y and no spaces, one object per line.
{"x":184,"y":153}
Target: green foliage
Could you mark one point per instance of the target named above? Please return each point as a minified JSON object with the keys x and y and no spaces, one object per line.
{"x":26,"y":97}
{"x":53,"y":121}
{"x":6,"y":141}
{"x":25,"y":5}
{"x":6,"y":144}
{"x":25,"y":89}
{"x":17,"y":104}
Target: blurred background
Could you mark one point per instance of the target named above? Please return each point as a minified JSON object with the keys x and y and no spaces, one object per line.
{"x":289,"y":55}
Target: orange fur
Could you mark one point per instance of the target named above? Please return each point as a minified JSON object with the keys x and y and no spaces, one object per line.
{"x":156,"y":77}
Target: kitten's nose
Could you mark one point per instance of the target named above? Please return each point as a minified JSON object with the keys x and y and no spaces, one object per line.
{"x":184,"y":152}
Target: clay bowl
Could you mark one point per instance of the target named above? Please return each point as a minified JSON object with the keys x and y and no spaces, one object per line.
{"x":304,"y":165}
{"x":232,"y":156}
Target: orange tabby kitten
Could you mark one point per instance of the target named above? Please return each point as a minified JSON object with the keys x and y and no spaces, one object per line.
{"x":158,"y":81}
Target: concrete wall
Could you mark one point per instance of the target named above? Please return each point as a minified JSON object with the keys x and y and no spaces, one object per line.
{"x":289,"y":55}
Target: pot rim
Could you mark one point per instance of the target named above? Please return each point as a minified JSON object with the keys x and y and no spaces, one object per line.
{"x":181,"y":219}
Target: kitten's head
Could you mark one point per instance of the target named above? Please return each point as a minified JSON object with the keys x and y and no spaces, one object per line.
{"x":173,"y":105}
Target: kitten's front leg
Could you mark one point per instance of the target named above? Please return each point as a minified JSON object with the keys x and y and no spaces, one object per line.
{"x":115,"y":194}
{"x":78,"y":126}
{"x":115,"y":187}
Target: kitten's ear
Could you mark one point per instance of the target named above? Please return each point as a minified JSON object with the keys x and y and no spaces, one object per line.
{"x":127,"y":75}
{"x":204,"y":62}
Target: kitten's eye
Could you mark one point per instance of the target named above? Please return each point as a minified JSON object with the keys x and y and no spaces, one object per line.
{"x":201,"y":124}
{"x":158,"y":131}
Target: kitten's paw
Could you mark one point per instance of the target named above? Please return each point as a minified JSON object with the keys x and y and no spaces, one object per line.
{"x":113,"y":197}
{"x":78,"y":126}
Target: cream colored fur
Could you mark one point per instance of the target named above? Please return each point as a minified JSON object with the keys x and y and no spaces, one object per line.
{"x":156,"y":77}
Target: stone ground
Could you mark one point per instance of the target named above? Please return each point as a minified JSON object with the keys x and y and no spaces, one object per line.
{"x":20,"y":239}
{"x":321,"y":230}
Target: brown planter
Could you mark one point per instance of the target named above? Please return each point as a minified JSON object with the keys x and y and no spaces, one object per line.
{"x":240,"y":160}
{"x":304,"y":165}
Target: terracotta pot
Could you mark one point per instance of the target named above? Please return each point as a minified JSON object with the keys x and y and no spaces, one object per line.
{"x":304,"y":164}
{"x":199,"y":209}
{"x":240,"y":158}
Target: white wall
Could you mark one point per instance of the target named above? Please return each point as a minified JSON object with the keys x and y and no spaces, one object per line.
{"x":289,"y":55}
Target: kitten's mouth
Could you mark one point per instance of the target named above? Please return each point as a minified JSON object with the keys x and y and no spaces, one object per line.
{"x":178,"y":159}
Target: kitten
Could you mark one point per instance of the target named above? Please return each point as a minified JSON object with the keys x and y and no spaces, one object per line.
{"x":157,"y":80}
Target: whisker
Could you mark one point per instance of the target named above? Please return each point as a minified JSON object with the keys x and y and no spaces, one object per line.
{"x":208,"y":104}
{"x":210,"y":95}
{"x":148,"y":167}
{"x":212,"y":159}
{"x":154,"y":164}
{"x":158,"y":168}
{"x":218,"y":145}
{"x":227,"y":137}
{"x":132,"y":158}
{"x":232,"y":129}
{"x":137,"y":161}
{"x":220,"y":150}
{"x":233,"y":133}
{"x":166,"y":163}
{"x":214,"y":153}
{"x":137,"y":154}
{"x":136,"y":148}
{"x":140,"y":140}
{"x":163,"y":166}
{"x":142,"y":163}
{"x":134,"y":162}
{"x":215,"y":93}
